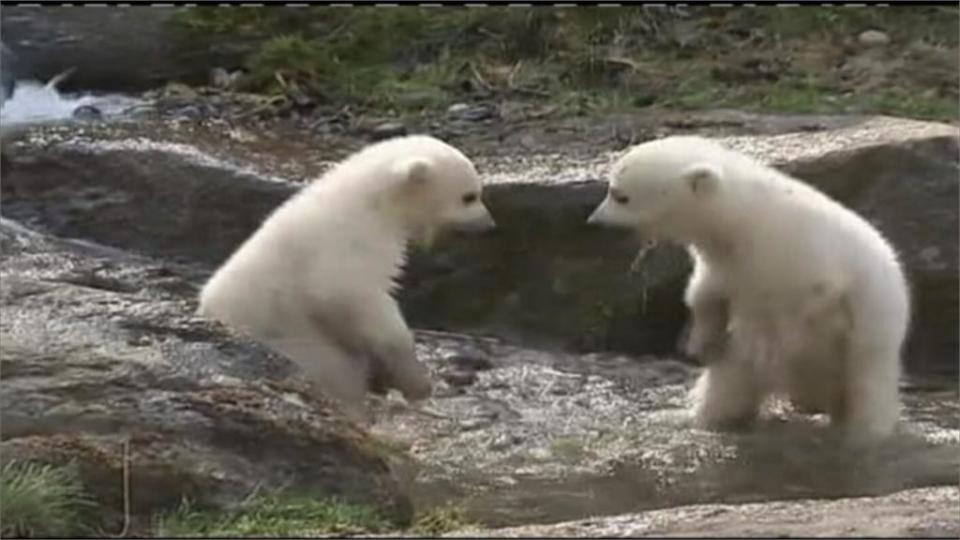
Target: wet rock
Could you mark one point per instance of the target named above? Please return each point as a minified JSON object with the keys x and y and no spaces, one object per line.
{"x":457,"y":109}
{"x":102,"y":349}
{"x":925,"y":513}
{"x":459,"y":378}
{"x":115,"y":49}
{"x":223,"y":79}
{"x":469,"y":362}
{"x":87,"y":112}
{"x":194,"y":207}
{"x":220,"y":78}
{"x":388,"y":130}
{"x":7,"y":76}
{"x":873,"y":38}
{"x":471,"y":113}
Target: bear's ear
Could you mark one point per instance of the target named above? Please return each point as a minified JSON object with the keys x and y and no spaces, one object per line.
{"x":702,"y":179}
{"x":414,"y":170}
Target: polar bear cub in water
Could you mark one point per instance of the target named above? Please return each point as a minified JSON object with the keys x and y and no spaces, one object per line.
{"x":792,"y":293}
{"x":315,"y":281}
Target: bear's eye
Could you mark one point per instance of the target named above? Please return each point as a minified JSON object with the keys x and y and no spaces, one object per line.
{"x":470,"y":198}
{"x":619,"y":197}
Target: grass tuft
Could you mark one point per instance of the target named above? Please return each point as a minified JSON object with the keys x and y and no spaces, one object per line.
{"x":273,"y":515}
{"x":441,"y":520}
{"x":38,"y":500}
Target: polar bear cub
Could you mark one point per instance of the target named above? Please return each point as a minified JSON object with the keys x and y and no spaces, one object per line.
{"x":315,"y":281}
{"x":791,"y":293}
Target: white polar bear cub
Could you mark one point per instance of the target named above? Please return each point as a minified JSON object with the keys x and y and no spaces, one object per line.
{"x":315,"y":281}
{"x":791,"y":293}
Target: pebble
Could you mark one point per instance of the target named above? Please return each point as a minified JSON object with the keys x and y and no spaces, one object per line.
{"x":87,"y":112}
{"x":459,"y":378}
{"x":873,"y":38}
{"x":469,"y":362}
{"x":475,"y":423}
{"x":388,"y":130}
{"x":504,"y":441}
{"x":470,"y":113}
{"x":457,"y":109}
{"x":220,"y":78}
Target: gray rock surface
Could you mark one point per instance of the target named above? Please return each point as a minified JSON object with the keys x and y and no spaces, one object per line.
{"x":917,"y":513}
{"x":100,"y":348}
{"x":7,"y":73}
{"x":130,"y":49}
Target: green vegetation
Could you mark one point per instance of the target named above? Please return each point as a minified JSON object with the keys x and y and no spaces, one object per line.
{"x":440,"y":520}
{"x":589,"y":59}
{"x":41,"y":500}
{"x":283,"y":515}
{"x":273,"y":515}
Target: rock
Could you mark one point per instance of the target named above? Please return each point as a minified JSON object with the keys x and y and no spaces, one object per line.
{"x":929,"y":512}
{"x":459,"y":378}
{"x":181,"y":91}
{"x":388,"y":130}
{"x":7,"y":76}
{"x":457,"y":109}
{"x":202,"y":208}
{"x":475,"y":113}
{"x":117,"y":50}
{"x":87,"y":112}
{"x":873,"y":38}
{"x":552,"y":281}
{"x":220,"y":78}
{"x":469,"y":362}
{"x":101,"y":348}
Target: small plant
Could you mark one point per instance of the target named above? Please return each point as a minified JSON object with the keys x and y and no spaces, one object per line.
{"x":273,"y":515}
{"x":41,"y":500}
{"x":441,"y":520}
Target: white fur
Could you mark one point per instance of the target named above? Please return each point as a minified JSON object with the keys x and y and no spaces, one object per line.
{"x":792,"y":293}
{"x":315,"y":281}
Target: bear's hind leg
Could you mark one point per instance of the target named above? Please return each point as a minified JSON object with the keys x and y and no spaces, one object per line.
{"x":870,"y":406}
{"x":726,"y":396}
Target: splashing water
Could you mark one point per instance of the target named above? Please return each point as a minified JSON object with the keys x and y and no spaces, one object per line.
{"x":34,"y":103}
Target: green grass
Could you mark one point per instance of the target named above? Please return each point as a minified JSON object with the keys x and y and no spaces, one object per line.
{"x":440,"y":520}
{"x":589,"y":59}
{"x":273,"y":515}
{"x":41,"y":500}
{"x":282,"y":515}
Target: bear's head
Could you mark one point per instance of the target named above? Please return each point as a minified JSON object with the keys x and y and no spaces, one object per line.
{"x":660,"y":188}
{"x":438,"y":188}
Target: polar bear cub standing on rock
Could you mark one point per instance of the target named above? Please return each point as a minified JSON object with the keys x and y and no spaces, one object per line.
{"x":791,"y":293}
{"x":315,"y":281}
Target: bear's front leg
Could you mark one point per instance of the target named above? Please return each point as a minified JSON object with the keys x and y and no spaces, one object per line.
{"x":710,"y":317}
{"x":371,"y":325}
